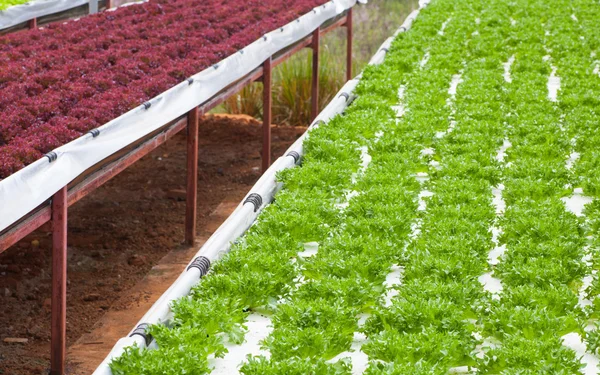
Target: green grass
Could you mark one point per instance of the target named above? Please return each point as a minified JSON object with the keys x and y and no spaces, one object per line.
{"x":373,"y":23}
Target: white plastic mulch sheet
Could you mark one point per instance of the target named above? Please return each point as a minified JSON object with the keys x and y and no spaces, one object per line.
{"x":24,"y":12}
{"x":25,"y":190}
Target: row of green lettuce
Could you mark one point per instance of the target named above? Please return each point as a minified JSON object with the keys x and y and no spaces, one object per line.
{"x":434,"y":326}
{"x":442,"y":318}
{"x":575,"y":43}
{"x":543,"y":265}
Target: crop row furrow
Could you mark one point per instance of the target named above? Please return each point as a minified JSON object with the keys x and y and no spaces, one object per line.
{"x":477,"y":151}
{"x":577,"y":40}
{"x":429,"y":326}
{"x":537,"y":309}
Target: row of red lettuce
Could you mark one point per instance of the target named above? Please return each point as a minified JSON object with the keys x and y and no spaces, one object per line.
{"x":60,"y":82}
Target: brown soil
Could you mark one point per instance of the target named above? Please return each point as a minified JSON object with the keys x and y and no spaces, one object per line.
{"x":119,"y":232}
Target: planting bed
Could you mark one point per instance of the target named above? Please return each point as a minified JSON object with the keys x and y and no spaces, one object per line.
{"x":447,"y":222}
{"x":58,"y":83}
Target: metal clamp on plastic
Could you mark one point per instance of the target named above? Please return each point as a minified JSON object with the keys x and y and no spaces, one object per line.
{"x":202,"y":263}
{"x":216,"y":66}
{"x":345,"y":95}
{"x":385,"y":49}
{"x":141,"y":331}
{"x":190,"y":81}
{"x":147,"y":105}
{"x":94,"y":132}
{"x":255,"y":199}
{"x":402,"y":29}
{"x":51,"y":156}
{"x":295,"y":155}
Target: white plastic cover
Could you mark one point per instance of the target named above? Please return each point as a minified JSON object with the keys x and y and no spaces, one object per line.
{"x":24,"y":12}
{"x":28,"y":188}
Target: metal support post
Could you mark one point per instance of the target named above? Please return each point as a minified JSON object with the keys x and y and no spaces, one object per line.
{"x":349,"y":35}
{"x":192,"y":176}
{"x":59,"y":283}
{"x":315,"y":74}
{"x":267,"y":103}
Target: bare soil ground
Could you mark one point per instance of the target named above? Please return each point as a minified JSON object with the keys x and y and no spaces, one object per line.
{"x":117,"y":234}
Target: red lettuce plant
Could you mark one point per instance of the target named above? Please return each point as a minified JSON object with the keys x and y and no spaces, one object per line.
{"x":59,"y":82}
